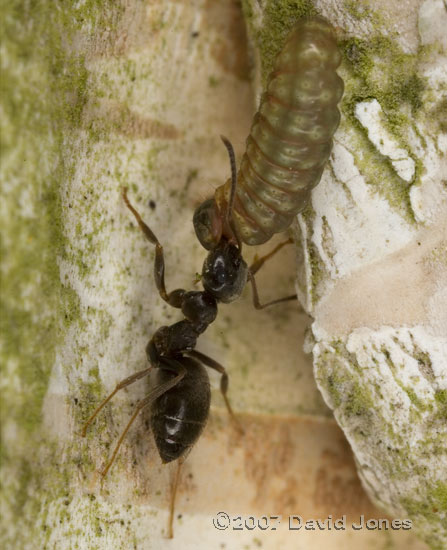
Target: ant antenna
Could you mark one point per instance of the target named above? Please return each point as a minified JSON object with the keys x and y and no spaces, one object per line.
{"x":229,"y":212}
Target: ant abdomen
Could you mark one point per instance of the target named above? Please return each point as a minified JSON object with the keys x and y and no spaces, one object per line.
{"x":180,"y":414}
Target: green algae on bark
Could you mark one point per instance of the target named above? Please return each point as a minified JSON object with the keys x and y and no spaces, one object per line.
{"x":379,"y":425}
{"x":44,"y":92}
{"x":279,"y":16}
{"x":377,"y":68}
{"x":427,"y":509}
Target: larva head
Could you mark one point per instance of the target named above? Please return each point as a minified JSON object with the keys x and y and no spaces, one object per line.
{"x":208,"y":224}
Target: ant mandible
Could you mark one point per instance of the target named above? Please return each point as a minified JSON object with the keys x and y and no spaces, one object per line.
{"x":180,"y":400}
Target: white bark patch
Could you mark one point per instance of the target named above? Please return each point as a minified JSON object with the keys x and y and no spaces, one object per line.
{"x":362,"y":224}
{"x":371,"y":117}
{"x":432,"y":22}
{"x":400,"y":289}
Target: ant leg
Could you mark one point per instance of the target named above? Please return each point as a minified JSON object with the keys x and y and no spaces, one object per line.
{"x":155,"y":394}
{"x":256,"y":301}
{"x":173,"y":298}
{"x":257,"y":264}
{"x":255,"y":267}
{"x":172,"y":502}
{"x":211,"y":363}
{"x":120,"y":386}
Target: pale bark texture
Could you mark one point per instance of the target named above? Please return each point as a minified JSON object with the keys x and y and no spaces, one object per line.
{"x":101,"y":95}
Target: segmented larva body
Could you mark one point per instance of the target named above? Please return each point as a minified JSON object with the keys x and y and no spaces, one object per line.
{"x":291,"y":136}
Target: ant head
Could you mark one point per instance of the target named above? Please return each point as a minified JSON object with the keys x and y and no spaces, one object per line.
{"x":224,"y":272}
{"x":207,"y":222}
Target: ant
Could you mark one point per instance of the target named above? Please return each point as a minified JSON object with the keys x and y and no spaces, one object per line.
{"x":180,"y":400}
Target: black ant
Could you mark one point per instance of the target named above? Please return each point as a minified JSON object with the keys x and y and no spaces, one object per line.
{"x":180,"y":400}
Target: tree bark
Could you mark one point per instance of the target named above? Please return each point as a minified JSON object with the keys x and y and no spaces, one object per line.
{"x":98,"y":96}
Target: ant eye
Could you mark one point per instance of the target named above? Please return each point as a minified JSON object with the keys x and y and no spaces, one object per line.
{"x":208,"y":224}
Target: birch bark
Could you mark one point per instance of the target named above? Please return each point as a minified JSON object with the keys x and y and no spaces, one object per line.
{"x":102,"y":94}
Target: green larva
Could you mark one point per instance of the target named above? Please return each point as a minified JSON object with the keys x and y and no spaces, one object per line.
{"x":290,"y":139}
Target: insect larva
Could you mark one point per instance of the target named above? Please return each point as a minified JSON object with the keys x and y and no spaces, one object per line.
{"x":289,"y":142}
